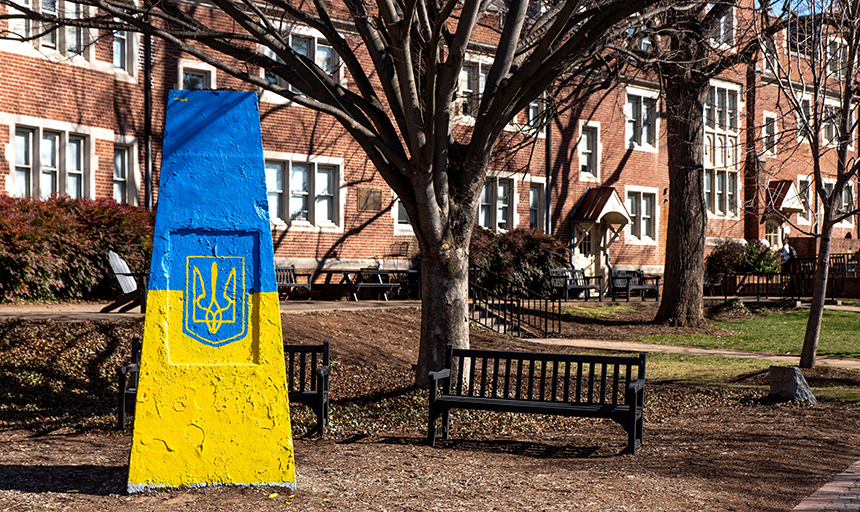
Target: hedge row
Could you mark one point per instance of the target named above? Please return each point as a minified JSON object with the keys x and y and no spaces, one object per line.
{"x":56,"y":249}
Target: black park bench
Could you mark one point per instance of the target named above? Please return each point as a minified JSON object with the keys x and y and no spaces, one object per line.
{"x":288,"y":280}
{"x":307,"y":381}
{"x":557,"y":384}
{"x":563,"y":280}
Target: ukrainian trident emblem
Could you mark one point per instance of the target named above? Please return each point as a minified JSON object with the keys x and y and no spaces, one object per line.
{"x":215,"y":306}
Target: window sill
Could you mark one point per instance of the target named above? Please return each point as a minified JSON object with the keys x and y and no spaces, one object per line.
{"x":645,"y":148}
{"x":632,"y":240}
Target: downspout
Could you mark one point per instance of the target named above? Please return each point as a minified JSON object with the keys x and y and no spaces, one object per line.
{"x":548,"y":170}
{"x":147,"y":121}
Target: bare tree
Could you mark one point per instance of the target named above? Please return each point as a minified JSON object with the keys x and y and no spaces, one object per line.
{"x":405,"y":58}
{"x":816,"y":77}
{"x":686,"y":45}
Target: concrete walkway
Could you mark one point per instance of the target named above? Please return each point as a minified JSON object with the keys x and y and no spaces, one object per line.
{"x":842,"y":494}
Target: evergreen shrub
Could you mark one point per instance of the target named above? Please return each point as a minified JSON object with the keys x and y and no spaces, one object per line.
{"x":733,"y":257}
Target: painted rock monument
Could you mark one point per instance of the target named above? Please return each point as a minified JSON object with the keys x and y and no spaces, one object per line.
{"x":212,"y":404}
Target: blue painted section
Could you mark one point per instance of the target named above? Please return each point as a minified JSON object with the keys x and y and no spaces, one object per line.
{"x":212,"y":203}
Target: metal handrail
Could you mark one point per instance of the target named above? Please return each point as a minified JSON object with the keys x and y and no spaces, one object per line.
{"x":518,"y":308}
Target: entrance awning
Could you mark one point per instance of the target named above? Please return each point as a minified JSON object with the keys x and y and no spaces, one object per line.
{"x":601,"y":204}
{"x":784,"y":197}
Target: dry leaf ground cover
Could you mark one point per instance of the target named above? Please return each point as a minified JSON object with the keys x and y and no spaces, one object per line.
{"x":708,"y":446}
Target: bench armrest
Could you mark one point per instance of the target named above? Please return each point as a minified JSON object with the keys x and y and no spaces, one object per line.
{"x":637,"y":385}
{"x":323,"y":372}
{"x":651,"y":280}
{"x":441,"y":374}
{"x":127,"y":369}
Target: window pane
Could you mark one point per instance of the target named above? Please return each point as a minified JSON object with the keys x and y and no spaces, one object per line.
{"x":648,"y":121}
{"x":586,"y":152}
{"x":325,"y":58}
{"x":301,"y":45}
{"x":299,"y":192}
{"x":22,"y":148}
{"x":485,"y":215}
{"x":648,"y":215}
{"x":503,"y":201}
{"x":721,"y":192}
{"x":535,"y":194}
{"x":402,"y":214}
{"x":50,"y":39}
{"x":74,"y":35}
{"x":733,"y":193}
{"x":324,"y":211}
{"x":634,"y":107}
{"x":275,"y":188}
{"x":119,"y":49}
{"x":23,"y":159}
{"x":633,"y":209}
{"x":75,"y":168}
{"x":195,"y":80}
{"x":48,"y":181}
{"x":120,"y":173}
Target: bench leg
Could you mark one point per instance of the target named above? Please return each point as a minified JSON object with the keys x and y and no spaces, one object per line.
{"x":121,"y":419}
{"x":431,"y":427}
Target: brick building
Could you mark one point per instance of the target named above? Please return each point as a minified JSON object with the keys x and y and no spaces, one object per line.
{"x":73,"y":116}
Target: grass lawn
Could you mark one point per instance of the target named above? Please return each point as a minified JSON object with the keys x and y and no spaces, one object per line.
{"x":779,"y":333}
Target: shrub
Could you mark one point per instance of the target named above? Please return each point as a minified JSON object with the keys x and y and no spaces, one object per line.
{"x":522,"y":256}
{"x":56,"y":249}
{"x":732,"y":257}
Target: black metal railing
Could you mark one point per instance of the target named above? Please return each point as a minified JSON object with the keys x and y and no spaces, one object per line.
{"x":506,"y":307}
{"x":797,"y":283}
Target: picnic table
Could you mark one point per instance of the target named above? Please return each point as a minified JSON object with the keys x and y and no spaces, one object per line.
{"x":354,"y":280}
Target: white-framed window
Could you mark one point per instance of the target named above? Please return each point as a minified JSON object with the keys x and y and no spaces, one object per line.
{"x":195,"y":75}
{"x":805,"y":193}
{"x":589,"y":151}
{"x":121,"y":166}
{"x":310,"y":44}
{"x":770,"y":55}
{"x":50,"y":162}
{"x":496,"y":211}
{"x":641,"y":205}
{"x":845,"y":202}
{"x":305,"y":192}
{"x":769,"y":134}
{"x":124,"y":56}
{"x":801,"y":37}
{"x":830,"y":125}
{"x":724,"y":31}
{"x":721,"y":139}
{"x":640,"y":110}
{"x":67,"y":41}
{"x":836,"y":54}
{"x":537,"y":206}
{"x":721,"y":192}
{"x":473,"y":79}
{"x":402,"y":223}
{"x":804,"y":119}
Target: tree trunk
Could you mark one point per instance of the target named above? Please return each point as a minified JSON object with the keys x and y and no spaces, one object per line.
{"x":819,"y":295}
{"x":685,"y":232}
{"x":445,"y":307}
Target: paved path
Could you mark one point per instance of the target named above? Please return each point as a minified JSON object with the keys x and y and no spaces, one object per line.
{"x":842,"y":494}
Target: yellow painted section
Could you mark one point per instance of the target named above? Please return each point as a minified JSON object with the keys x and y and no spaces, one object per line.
{"x":211,"y":415}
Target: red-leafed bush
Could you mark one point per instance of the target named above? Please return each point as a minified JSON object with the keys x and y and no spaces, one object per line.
{"x":522,"y":256}
{"x":56,"y":249}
